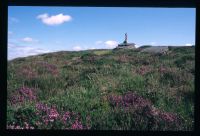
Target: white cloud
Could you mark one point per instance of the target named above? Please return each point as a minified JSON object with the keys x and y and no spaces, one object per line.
{"x":42,"y":16}
{"x":77,"y":48}
{"x":98,"y":42}
{"x":188,"y":44}
{"x":111,"y":44}
{"x":10,"y":45}
{"x":55,"y":19}
{"x":15,"y":51}
{"x":10,"y":32}
{"x":136,"y":46}
{"x":29,"y":39}
{"x":153,"y":43}
{"x":13,"y":20}
{"x":92,"y":48}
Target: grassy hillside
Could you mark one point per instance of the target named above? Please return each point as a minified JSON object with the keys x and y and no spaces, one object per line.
{"x":102,"y":89}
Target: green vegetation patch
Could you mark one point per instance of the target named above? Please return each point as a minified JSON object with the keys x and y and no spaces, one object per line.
{"x":102,"y":89}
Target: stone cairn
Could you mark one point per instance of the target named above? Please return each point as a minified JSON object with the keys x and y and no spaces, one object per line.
{"x":125,"y":44}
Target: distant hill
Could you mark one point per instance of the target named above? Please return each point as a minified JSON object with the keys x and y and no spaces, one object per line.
{"x":103,"y":89}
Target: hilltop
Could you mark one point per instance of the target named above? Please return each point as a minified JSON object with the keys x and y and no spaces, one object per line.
{"x":103,"y":89}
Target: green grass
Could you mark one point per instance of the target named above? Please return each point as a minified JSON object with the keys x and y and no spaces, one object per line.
{"x":81,"y":82}
{"x":102,"y":52}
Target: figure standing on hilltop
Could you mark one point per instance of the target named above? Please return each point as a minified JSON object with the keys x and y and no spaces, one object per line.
{"x":125,"y":41}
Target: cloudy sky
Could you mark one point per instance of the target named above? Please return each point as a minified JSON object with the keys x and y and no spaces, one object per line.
{"x":36,"y":30}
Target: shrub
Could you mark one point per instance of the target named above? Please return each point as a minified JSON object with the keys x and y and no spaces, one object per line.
{"x":141,"y":114}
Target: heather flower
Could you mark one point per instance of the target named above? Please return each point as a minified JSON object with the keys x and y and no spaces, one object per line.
{"x":162,"y":69}
{"x":134,"y":99}
{"x":37,"y":113}
{"x":115,"y":100}
{"x":66,"y":116}
{"x":22,"y":94}
{"x":77,"y":125}
{"x":27,"y":93}
{"x":53,"y":114}
{"x":42,"y":107}
{"x":153,"y":111}
{"x":27,"y":72}
{"x":144,"y":70}
{"x":45,"y":120}
{"x":18,"y":127}
{"x":169,"y":117}
{"x":26,"y":125}
{"x":129,"y":99}
{"x":38,"y":123}
{"x":49,"y":67}
{"x":14,"y":126}
{"x":48,"y":115}
{"x":135,"y":104}
{"x":31,"y":127}
{"x":10,"y":126}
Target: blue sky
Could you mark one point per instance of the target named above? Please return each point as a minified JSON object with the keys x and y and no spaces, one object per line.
{"x":35,"y":30}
